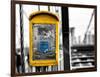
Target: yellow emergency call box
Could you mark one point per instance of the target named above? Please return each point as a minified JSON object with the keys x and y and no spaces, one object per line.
{"x":43,"y":39}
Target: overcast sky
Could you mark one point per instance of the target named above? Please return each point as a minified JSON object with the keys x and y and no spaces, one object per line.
{"x":80,"y":18}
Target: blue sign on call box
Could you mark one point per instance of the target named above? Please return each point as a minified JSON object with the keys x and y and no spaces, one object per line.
{"x":43,"y":46}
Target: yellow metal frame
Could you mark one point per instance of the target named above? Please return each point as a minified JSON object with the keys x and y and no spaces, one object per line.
{"x":40,"y":20}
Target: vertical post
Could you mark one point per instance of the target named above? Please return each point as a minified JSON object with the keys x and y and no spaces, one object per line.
{"x":65,"y":30}
{"x":48,"y":8}
{"x":38,"y":7}
{"x":72,"y":35}
{"x":21,"y":38}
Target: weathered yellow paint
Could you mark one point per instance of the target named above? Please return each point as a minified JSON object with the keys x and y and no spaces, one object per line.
{"x":43,"y":19}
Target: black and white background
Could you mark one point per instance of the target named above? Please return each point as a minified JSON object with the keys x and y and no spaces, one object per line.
{"x":5,"y":39}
